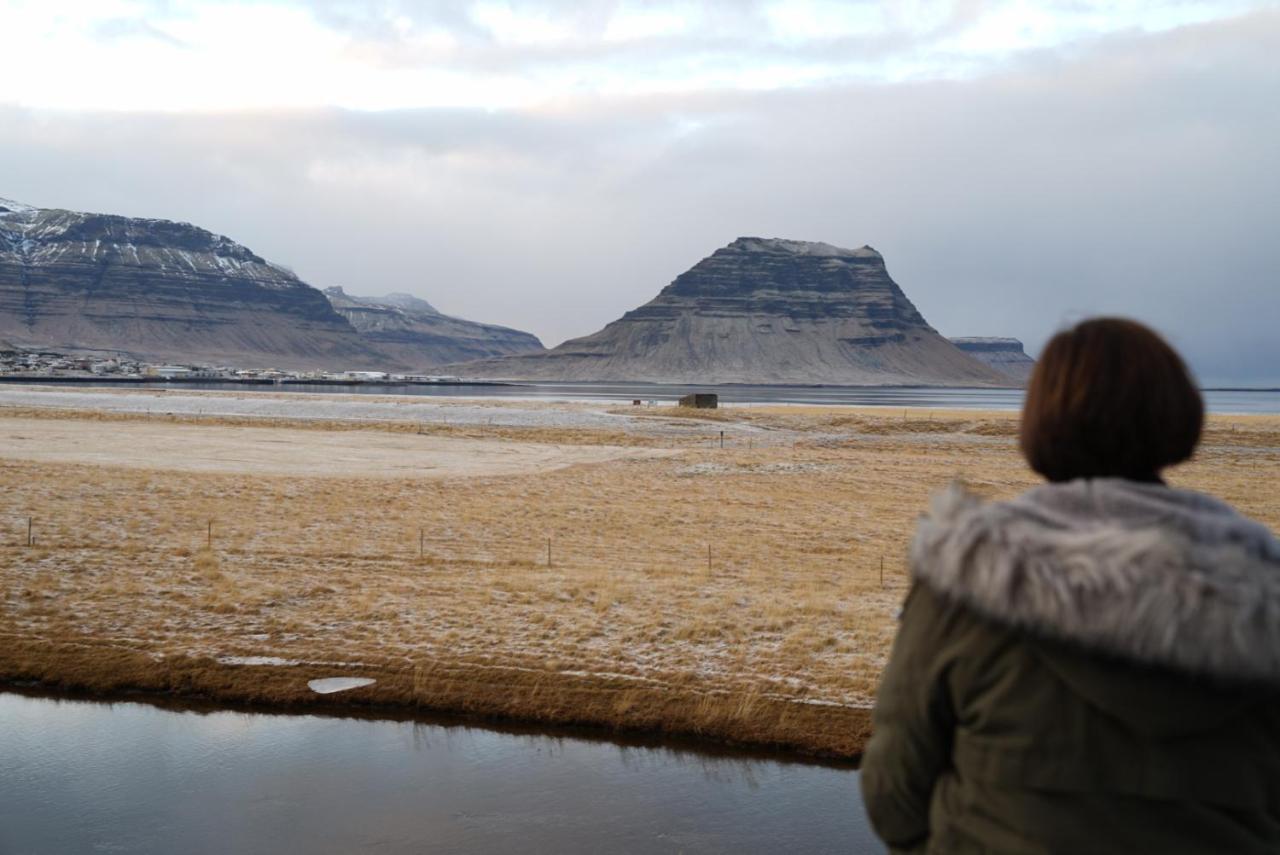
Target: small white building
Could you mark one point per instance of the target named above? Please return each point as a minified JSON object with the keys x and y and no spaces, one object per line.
{"x":167,"y":371}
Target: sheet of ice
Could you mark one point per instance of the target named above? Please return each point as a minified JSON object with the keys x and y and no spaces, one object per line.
{"x":329,"y":685}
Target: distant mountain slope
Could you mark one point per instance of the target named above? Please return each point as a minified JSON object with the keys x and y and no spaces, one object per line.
{"x":412,"y":332}
{"x":1003,"y":354}
{"x":161,"y":290}
{"x":764,"y":311}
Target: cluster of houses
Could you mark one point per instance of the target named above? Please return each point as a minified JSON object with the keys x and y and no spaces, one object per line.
{"x":15,"y":360}
{"x":18,"y":362}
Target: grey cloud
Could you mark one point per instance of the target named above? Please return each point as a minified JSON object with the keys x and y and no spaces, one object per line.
{"x":375,"y":21}
{"x":1137,"y":178}
{"x":724,"y":34}
{"x":589,"y":16}
{"x":720,"y":33}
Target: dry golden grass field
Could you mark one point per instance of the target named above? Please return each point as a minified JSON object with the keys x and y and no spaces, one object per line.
{"x":633,"y":577}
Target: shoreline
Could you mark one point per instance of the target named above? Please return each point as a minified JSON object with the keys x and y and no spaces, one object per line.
{"x":1220,"y":401}
{"x":161,"y":382}
{"x":497,"y":697}
{"x":99,"y":380}
{"x":652,"y":740}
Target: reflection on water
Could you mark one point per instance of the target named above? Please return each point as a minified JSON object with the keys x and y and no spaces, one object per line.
{"x":1218,"y":401}
{"x":126,"y":777}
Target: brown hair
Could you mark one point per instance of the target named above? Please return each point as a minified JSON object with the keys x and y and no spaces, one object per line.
{"x":1109,"y":398}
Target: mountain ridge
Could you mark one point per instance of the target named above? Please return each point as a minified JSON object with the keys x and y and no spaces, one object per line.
{"x":163,"y":290}
{"x":414,"y":332}
{"x":1002,"y":353}
{"x":160,"y":289}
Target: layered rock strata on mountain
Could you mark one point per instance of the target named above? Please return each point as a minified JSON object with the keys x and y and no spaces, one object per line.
{"x":161,"y":290}
{"x":764,"y":311}
{"x":1006,"y":355}
{"x":411,"y":331}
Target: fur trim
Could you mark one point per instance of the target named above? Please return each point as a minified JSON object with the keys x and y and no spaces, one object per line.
{"x":1142,"y":571}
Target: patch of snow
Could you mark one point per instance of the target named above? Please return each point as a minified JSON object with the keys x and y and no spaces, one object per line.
{"x":804,"y":247}
{"x":257,"y":660}
{"x":987,"y":339}
{"x":609,"y":675}
{"x":750,"y":469}
{"x":15,"y":207}
{"x":822,"y":702}
{"x":347,"y":407}
{"x":329,"y":685}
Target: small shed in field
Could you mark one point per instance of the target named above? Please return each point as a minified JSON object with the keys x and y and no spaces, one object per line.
{"x":701,"y":401}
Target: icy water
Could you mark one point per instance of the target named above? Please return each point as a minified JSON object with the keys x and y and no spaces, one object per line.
{"x":89,"y":777}
{"x":1218,"y":400}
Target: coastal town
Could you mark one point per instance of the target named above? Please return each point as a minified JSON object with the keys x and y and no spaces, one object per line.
{"x":24,"y":363}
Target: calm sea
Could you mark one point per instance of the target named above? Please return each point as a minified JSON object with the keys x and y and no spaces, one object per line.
{"x":1218,"y":400}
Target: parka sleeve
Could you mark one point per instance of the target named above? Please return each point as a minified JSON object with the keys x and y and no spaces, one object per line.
{"x":913,"y":725}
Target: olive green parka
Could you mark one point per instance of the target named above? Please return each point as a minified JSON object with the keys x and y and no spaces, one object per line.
{"x":1090,"y":668}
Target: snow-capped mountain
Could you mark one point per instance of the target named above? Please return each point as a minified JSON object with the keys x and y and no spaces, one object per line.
{"x":161,"y":290}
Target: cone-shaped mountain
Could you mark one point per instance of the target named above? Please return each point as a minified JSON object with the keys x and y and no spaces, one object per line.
{"x":764,"y":311}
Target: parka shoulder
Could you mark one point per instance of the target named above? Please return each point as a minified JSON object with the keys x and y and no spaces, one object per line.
{"x":1092,"y":667}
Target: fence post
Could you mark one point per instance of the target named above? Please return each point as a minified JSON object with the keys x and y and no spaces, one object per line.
{"x":30,"y":538}
{"x":722,"y":439}
{"x":421,"y":544}
{"x":548,"y":552}
{"x":209,"y":536}
{"x":708,"y":558}
{"x":881,"y":571}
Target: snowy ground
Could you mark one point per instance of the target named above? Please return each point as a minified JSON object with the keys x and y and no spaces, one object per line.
{"x":338,"y":407}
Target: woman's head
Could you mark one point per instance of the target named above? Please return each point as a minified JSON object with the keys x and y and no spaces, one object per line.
{"x":1109,"y":398}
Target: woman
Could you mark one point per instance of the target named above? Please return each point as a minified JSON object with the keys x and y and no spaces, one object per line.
{"x":1093,"y":666}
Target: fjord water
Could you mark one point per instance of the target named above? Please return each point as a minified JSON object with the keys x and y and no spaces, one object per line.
{"x":934,"y":397}
{"x":86,"y":777}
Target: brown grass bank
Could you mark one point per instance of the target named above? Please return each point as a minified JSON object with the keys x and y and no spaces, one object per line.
{"x":476,"y":689}
{"x":732,"y":593}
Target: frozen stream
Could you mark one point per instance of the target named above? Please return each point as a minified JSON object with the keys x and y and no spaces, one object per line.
{"x":87,"y":777}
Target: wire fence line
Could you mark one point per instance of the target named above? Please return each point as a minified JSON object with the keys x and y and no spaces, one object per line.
{"x":726,"y":553}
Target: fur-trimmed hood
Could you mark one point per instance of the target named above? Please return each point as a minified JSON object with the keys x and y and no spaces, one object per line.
{"x":1144,"y":572}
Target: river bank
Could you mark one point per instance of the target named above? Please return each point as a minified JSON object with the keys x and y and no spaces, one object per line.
{"x":731,"y":575}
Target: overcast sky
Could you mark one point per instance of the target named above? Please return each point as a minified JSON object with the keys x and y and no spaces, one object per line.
{"x":549,"y":165}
